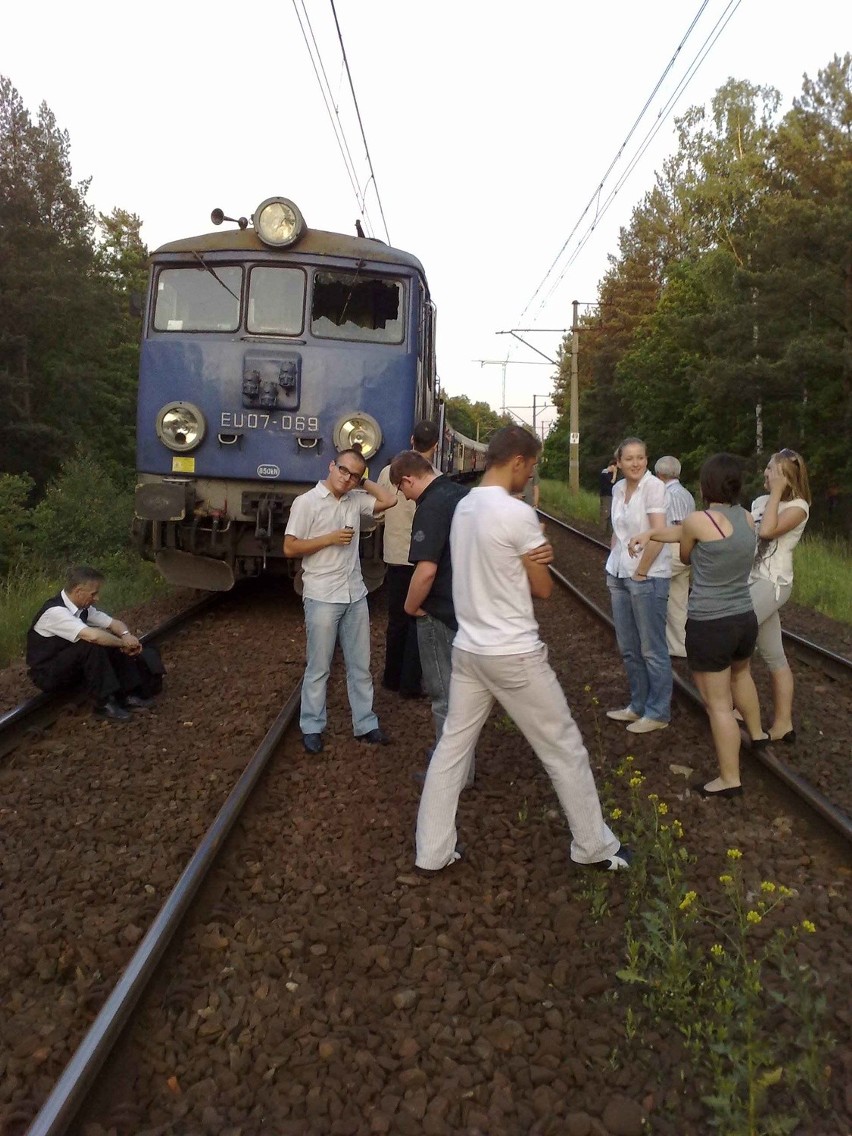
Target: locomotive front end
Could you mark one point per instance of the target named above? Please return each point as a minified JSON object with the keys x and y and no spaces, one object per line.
{"x":266,"y":351}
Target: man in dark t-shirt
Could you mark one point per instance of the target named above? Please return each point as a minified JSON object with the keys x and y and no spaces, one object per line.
{"x":430,"y":593}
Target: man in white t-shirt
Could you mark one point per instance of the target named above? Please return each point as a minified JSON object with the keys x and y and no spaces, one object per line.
{"x":500,"y":559}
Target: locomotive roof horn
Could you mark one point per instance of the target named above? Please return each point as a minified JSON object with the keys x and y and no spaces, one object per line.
{"x":217,"y":217}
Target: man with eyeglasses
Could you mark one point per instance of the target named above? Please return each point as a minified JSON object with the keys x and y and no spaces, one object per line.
{"x":323,"y":530}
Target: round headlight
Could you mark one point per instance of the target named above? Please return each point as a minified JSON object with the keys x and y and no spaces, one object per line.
{"x":278,"y":221}
{"x":181,"y":426}
{"x":358,"y":430}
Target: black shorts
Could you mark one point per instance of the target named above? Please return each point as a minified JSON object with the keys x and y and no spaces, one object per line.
{"x":713,"y":644}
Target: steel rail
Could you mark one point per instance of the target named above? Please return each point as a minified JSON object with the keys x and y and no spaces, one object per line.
{"x":806,"y":792}
{"x":839,"y":662}
{"x":67,"y":1096}
{"x":44,"y":701}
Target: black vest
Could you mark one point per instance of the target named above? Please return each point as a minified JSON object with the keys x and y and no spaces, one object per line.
{"x":42,"y":649}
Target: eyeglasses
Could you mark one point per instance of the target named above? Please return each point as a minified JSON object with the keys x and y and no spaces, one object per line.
{"x":790,"y":455}
{"x":352,"y":476}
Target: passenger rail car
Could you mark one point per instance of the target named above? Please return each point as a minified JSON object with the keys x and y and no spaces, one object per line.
{"x":266,"y":350}
{"x":461,"y":458}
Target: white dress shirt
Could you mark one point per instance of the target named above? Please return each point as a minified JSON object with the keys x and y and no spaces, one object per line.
{"x":65,"y":622}
{"x":631,"y":518}
{"x":333,"y":574}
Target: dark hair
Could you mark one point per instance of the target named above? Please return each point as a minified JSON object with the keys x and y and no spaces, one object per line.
{"x":425,"y":435}
{"x":82,"y":574}
{"x":408,"y":463}
{"x":622,"y":446}
{"x":721,"y":479}
{"x":355,"y":453}
{"x":511,"y":442}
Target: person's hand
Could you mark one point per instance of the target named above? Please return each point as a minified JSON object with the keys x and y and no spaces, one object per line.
{"x":636,"y":544}
{"x":542,"y":555}
{"x":130,"y":645}
{"x":342,"y":536}
{"x":776,"y":480}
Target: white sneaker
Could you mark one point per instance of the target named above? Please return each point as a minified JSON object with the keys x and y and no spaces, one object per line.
{"x":646,"y":725}
{"x":625,"y":715}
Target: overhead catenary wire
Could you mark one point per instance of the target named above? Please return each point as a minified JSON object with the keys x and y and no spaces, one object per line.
{"x":662,"y":115}
{"x":333,"y":114}
{"x":595,"y":197}
{"x":360,"y":122}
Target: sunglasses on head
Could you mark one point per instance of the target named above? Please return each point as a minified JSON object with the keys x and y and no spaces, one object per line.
{"x":790,"y":455}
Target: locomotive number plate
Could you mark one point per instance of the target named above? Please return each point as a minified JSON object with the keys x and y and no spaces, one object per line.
{"x":256,"y":420}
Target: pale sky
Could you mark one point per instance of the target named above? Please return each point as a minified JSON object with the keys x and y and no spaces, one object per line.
{"x":490,"y":127}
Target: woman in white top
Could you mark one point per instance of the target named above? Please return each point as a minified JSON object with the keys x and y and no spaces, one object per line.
{"x":639,"y":591}
{"x":780,"y":517}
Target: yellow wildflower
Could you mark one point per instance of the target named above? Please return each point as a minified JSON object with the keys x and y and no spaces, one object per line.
{"x":688,"y":900}
{"x":677,"y":828}
{"x":636,"y":781}
{"x":587,"y":688}
{"x":808,"y":926}
{"x":785,"y":891}
{"x":662,"y":808}
{"x":726,"y":880}
{"x":717,"y":950}
{"x":615,"y":814}
{"x":629,"y":758}
{"x":767,"y":885}
{"x":734,"y":854}
{"x":754,"y":917}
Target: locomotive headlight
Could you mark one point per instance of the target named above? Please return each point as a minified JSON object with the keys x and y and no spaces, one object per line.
{"x":181,"y":426}
{"x":358,"y":430}
{"x":278,"y":221}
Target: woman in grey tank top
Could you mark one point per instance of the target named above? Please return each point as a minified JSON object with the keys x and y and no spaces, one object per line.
{"x":721,"y":627}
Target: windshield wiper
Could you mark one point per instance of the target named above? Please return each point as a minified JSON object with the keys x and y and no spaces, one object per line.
{"x":214,"y":274}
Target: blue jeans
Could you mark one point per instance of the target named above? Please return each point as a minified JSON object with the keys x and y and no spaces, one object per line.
{"x":639,"y":614}
{"x":325,"y":623}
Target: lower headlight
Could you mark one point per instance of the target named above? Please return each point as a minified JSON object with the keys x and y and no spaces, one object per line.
{"x":181,"y":426}
{"x":355,"y":430}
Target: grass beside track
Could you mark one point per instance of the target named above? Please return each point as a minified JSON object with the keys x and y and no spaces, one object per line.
{"x":822,"y":581}
{"x":129,"y":581}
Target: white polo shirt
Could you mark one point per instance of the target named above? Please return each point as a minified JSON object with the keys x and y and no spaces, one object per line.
{"x":332,"y":575}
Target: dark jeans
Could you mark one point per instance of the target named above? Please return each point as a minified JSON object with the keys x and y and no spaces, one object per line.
{"x":103,"y":672}
{"x":436,"y":656}
{"x":402,"y":657}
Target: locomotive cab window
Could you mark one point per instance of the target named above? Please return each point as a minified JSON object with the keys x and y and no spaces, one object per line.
{"x":196,"y":298}
{"x":276,"y":301}
{"x":350,"y":306}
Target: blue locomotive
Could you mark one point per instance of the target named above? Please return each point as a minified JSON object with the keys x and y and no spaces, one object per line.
{"x":266,"y":350}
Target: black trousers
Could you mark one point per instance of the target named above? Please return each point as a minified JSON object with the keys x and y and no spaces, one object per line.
{"x":402,"y":655}
{"x":103,"y":672}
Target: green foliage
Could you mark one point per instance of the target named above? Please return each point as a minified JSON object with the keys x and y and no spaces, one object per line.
{"x":84,"y":516}
{"x":557,"y":499}
{"x":14,"y":516}
{"x":822,"y":577}
{"x":476,"y":420}
{"x":697,"y":965}
{"x":68,"y":346}
{"x":724,"y":323}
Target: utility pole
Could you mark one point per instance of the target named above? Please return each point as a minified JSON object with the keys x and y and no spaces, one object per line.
{"x":574,"y":406}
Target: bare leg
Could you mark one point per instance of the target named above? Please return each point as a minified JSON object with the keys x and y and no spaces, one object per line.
{"x":715,"y":688}
{"x":782,"y":697}
{"x":745,"y":697}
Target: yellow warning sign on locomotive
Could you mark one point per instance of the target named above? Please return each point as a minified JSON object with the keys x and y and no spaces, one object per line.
{"x":183,"y":465}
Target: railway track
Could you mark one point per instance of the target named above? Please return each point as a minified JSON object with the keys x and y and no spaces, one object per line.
{"x":813,"y":654}
{"x":339,"y":950}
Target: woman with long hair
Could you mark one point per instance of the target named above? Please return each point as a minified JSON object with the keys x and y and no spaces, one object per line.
{"x":721,"y":627}
{"x":639,"y":591}
{"x":780,"y":516}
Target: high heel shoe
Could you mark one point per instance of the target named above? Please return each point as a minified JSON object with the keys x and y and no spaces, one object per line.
{"x":760,"y":743}
{"x":789,"y":738}
{"x":731,"y":791}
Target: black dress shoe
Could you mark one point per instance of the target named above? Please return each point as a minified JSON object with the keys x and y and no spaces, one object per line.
{"x":373,"y":738}
{"x":136,"y":702}
{"x":111,"y":711}
{"x":760,"y":743}
{"x":789,"y":738}
{"x":731,"y":791}
{"x":312,"y":743}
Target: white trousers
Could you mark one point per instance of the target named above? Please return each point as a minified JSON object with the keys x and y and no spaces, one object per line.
{"x":528,"y":690}
{"x":676,"y":609}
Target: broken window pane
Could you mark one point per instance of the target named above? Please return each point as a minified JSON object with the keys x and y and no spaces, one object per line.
{"x":351,"y":306}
